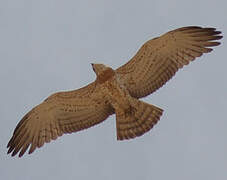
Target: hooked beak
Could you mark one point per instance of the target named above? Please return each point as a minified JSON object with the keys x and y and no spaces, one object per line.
{"x":92,"y":66}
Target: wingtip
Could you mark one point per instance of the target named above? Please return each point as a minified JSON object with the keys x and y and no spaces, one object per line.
{"x":31,"y":150}
{"x":20,"y":155}
{"x":10,"y":150}
{"x":219,"y":37}
{"x":217,"y":43}
{"x":218,"y":32}
{"x":14,"y":152}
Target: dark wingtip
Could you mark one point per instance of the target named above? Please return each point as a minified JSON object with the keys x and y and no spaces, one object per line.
{"x":14,"y":152}
{"x":219,"y":37}
{"x":218,"y":43}
{"x":218,"y":32}
{"x":21,"y":154}
{"x":10,"y":149}
{"x":209,"y":49}
{"x":214,"y":43}
{"x":10,"y":142}
{"x":31,"y":150}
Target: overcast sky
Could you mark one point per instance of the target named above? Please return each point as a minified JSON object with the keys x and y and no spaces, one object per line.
{"x":48,"y":45}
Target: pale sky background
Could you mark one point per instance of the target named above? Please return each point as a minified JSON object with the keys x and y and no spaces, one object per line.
{"x":48,"y":45}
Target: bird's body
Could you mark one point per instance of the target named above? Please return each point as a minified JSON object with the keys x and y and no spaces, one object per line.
{"x":115,"y":92}
{"x":114,"y":89}
{"x":131,"y":121}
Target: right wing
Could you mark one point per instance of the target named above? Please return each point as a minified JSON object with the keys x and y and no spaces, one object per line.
{"x":63,"y":112}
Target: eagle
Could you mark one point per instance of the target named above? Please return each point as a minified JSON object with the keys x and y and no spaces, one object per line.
{"x":115,"y":92}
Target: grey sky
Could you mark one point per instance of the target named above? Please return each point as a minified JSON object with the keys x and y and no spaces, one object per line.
{"x":48,"y":45}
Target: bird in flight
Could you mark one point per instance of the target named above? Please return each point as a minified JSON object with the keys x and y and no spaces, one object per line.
{"x":115,"y":92}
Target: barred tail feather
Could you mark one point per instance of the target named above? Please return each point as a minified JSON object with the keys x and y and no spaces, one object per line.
{"x":140,"y":119}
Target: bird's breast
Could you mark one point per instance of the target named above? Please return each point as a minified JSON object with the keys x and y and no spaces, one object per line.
{"x":118,"y":95}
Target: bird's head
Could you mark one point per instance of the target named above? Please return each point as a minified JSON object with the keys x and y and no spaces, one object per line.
{"x":99,"y":68}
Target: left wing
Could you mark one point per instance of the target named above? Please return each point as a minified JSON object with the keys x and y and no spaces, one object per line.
{"x":159,"y":59}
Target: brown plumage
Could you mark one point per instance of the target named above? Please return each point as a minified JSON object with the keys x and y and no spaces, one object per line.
{"x":115,"y":91}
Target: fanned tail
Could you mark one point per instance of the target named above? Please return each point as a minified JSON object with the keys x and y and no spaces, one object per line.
{"x":140,"y":119}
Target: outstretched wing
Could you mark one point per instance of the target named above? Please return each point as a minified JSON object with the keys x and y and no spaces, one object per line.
{"x":63,"y":112}
{"x":160,"y":58}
